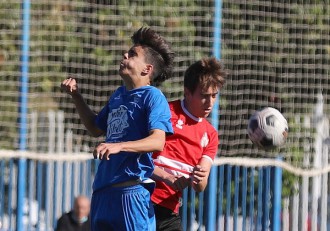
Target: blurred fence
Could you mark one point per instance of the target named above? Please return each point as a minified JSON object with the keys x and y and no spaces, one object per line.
{"x":242,"y":198}
{"x":239,"y":198}
{"x":243,"y":193}
{"x":50,"y":189}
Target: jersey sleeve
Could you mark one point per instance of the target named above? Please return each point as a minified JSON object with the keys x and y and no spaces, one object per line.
{"x":159,"y":112}
{"x":211,"y":149}
{"x":101,"y":118}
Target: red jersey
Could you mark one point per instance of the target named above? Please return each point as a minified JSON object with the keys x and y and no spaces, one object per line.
{"x":194,"y":138}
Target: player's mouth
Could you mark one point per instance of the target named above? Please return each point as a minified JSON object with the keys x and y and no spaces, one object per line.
{"x":122,"y":65}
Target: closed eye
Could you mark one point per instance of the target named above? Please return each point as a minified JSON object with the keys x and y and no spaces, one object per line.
{"x":131,"y":53}
{"x":209,"y":95}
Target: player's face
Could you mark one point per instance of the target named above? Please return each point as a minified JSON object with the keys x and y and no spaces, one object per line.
{"x":132,"y":64}
{"x":200,"y":102}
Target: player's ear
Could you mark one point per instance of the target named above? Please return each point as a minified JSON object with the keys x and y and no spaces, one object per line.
{"x":186,"y":92}
{"x":148,"y":69}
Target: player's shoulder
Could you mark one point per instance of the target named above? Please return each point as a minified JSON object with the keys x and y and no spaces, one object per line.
{"x":174,"y":103}
{"x":175,"y":106}
{"x":147,"y":90}
{"x":152,"y":91}
{"x":208,"y":125}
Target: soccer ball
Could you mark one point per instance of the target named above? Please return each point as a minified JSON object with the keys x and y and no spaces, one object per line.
{"x":268,"y":128}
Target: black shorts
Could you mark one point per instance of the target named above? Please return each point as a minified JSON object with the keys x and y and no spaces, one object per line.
{"x":166,"y":219}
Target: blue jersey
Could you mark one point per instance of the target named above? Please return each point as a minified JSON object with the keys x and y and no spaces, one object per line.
{"x":128,"y":116}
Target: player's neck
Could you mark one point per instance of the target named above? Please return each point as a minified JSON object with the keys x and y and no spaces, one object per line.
{"x":188,"y":110}
{"x":137,"y":83}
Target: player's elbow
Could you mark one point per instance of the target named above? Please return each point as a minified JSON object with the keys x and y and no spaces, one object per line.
{"x":199,"y":187}
{"x":159,"y":146}
{"x":95,"y":132}
{"x":157,"y":140}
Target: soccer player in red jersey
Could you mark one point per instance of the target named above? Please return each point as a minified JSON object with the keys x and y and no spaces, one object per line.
{"x":188,"y":154}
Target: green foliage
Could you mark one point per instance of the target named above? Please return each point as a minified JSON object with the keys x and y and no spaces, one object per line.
{"x":9,"y":44}
{"x":83,"y":38}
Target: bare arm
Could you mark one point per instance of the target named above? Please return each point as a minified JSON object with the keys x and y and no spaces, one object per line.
{"x":198,"y":178}
{"x":154,"y":142}
{"x":176,"y":182}
{"x":201,"y":174}
{"x":86,"y":115}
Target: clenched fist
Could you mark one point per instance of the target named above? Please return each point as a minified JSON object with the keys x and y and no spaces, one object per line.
{"x":70,"y":86}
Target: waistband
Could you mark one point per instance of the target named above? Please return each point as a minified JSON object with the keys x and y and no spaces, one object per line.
{"x":126,"y":183}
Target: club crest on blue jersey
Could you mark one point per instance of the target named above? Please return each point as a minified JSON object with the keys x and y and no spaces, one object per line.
{"x":117,"y":122}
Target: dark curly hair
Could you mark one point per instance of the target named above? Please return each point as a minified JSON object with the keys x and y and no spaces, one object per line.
{"x":157,"y":52}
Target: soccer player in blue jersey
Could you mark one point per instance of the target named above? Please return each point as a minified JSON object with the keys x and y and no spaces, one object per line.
{"x":135,"y":121}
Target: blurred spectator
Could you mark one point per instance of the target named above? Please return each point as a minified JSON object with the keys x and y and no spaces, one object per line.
{"x":78,"y":218}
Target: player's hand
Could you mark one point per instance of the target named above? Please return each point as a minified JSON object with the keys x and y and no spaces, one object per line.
{"x":70,"y":86}
{"x":181,"y":183}
{"x":104,"y":150}
{"x":198,"y":174}
{"x":178,"y":183}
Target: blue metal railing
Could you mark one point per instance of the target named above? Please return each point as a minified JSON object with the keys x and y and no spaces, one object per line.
{"x":244,"y":198}
{"x":23,"y":109}
{"x":215,"y":113}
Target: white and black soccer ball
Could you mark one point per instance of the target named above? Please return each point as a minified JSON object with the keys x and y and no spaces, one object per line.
{"x":268,"y":128}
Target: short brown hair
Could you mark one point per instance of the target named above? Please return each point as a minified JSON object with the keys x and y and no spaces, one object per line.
{"x":207,"y":72}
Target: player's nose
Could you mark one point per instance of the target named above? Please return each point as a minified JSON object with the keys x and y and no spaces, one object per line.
{"x":210,"y":101}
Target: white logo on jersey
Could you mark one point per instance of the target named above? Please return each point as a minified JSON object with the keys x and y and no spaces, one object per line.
{"x":179,"y":124}
{"x":117,"y":122}
{"x":204,"y":140}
